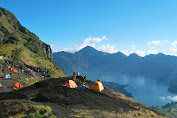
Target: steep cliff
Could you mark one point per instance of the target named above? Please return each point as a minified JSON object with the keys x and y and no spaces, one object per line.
{"x":11,"y":31}
{"x":35,"y":52}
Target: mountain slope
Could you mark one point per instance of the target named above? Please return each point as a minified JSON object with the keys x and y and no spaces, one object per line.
{"x":34,"y":52}
{"x":168,"y":110}
{"x":74,"y":102}
{"x":159,"y":66}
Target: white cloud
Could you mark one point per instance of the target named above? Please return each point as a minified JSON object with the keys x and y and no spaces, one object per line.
{"x":173,"y":50}
{"x":107,"y":48}
{"x":134,"y":50}
{"x":154,"y":42}
{"x":169,"y":98}
{"x":133,"y":47}
{"x":174,"y":44}
{"x":152,"y":51}
{"x":153,"y":47}
{"x":141,"y":53}
{"x":126,"y":52}
{"x":87,"y":42}
{"x":157,"y":42}
{"x":137,"y":51}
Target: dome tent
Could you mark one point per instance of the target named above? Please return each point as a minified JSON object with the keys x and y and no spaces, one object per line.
{"x":70,"y":84}
{"x":98,"y":86}
{"x":6,"y":76}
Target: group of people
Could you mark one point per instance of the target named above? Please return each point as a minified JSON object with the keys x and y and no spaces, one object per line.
{"x":77,"y":75}
{"x":83,"y":78}
{"x":80,"y":81}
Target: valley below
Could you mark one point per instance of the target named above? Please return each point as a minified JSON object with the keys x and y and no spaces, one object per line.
{"x":143,"y":89}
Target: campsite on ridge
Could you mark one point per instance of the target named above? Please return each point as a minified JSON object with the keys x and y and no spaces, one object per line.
{"x":29,"y":92}
{"x":88,"y":59}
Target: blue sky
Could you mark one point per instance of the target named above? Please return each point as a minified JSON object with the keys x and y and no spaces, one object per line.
{"x":140,"y":26}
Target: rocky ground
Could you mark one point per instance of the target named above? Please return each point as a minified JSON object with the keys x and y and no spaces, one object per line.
{"x":72,"y":102}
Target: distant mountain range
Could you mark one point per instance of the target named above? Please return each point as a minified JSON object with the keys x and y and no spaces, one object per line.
{"x":159,"y":66}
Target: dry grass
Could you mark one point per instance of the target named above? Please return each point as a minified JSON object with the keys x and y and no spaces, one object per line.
{"x":19,"y":109}
{"x":31,"y":80}
{"x":113,"y":114}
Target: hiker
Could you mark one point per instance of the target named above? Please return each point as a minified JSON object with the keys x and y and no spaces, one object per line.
{"x":78,"y":74}
{"x":99,"y":80}
{"x":74,"y":73}
{"x":38,"y":70}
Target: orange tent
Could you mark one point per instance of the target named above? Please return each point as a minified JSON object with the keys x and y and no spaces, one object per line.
{"x":98,"y":86}
{"x":9,"y":67}
{"x":17,"y":85}
{"x":28,"y":69}
{"x":1,"y":86}
{"x":70,"y":84}
{"x":31,"y":71}
{"x":15,"y":70}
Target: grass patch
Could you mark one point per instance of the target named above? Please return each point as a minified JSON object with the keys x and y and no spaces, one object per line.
{"x":30,"y":80}
{"x":1,"y":74}
{"x":40,"y":112}
{"x":80,"y":112}
{"x":75,"y":116}
{"x":18,"y":109}
{"x":113,"y":114}
{"x":89,"y":117}
{"x":52,"y":116}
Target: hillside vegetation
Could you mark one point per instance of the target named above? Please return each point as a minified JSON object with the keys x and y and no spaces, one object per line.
{"x":34,"y":52}
{"x":169,"y":110}
{"x":24,"y":109}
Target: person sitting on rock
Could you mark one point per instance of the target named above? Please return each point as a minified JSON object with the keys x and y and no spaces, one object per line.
{"x":74,"y":73}
{"x":78,"y":74}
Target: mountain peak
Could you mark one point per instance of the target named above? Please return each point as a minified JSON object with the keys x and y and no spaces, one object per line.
{"x":133,"y":55}
{"x":161,"y":54}
{"x":88,"y":48}
{"x":120,"y":53}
